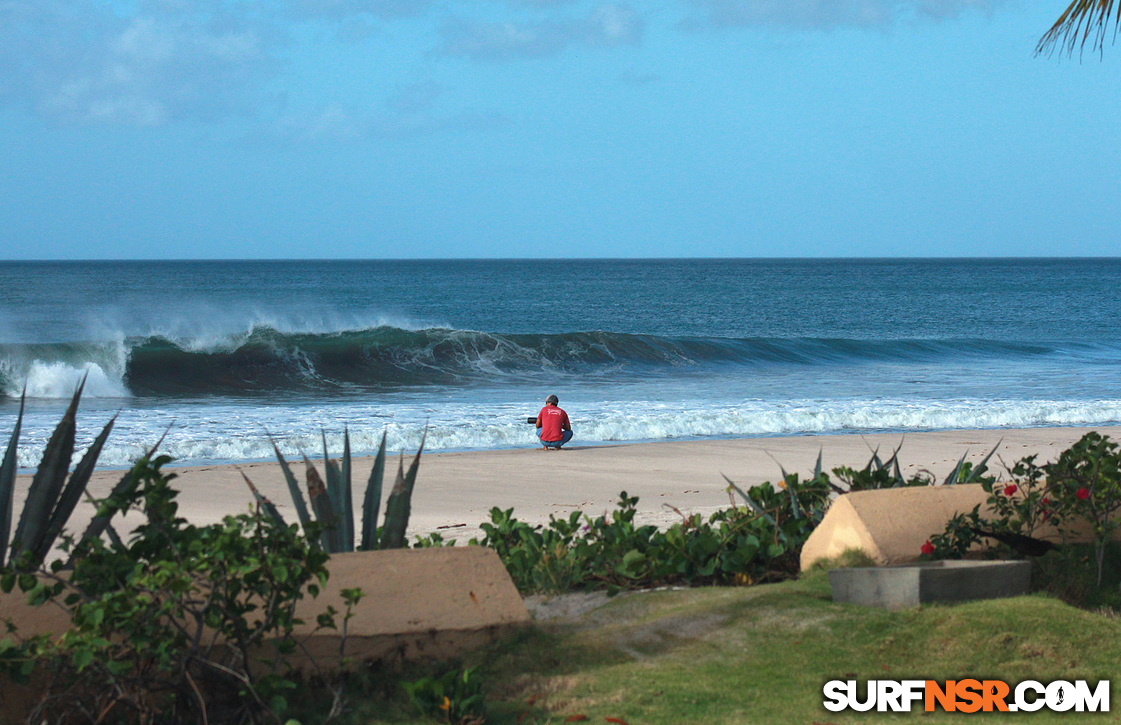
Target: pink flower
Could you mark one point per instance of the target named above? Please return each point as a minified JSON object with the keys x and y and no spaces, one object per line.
{"x":1082,"y":494}
{"x":927,"y":548}
{"x":1010,"y":489}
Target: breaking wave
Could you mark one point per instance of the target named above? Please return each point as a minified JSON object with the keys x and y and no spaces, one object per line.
{"x":265,"y":360}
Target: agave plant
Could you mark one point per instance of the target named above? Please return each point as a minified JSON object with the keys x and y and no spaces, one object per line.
{"x":332,"y":500}
{"x":52,"y":497}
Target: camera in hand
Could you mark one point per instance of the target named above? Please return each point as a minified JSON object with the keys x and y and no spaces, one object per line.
{"x":532,"y":421}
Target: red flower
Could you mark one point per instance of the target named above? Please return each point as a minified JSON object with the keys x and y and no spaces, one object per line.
{"x":927,"y":548}
{"x":1010,"y":489}
{"x":1082,"y":493}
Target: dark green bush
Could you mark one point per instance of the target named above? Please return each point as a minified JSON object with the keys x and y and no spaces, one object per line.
{"x":180,"y":623}
{"x":757,"y":542}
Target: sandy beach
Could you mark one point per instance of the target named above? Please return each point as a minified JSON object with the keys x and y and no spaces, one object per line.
{"x":456,"y":490}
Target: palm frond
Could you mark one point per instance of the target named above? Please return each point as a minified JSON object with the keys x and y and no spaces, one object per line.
{"x":1084,"y":21}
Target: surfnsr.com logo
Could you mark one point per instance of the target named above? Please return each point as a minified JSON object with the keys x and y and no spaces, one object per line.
{"x":966,"y":695}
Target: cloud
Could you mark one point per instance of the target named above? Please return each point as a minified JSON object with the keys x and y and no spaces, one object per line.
{"x":538,"y":3}
{"x":338,"y":124}
{"x":634,"y":78}
{"x":350,"y":9}
{"x":414,"y":97}
{"x":606,"y":26}
{"x":167,"y":61}
{"x":149,"y":63}
{"x":824,"y":13}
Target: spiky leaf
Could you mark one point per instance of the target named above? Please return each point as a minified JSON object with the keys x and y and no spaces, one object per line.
{"x":335,"y":496}
{"x":956,"y":473}
{"x":266,"y":505}
{"x":372,"y":502}
{"x":347,"y":492}
{"x":72,"y":493}
{"x":983,"y":466}
{"x":399,"y":505}
{"x":321,"y":505}
{"x":8,"y":483}
{"x":46,"y":486}
{"x":293,"y":489}
{"x":751,"y":502}
{"x":112,"y":505}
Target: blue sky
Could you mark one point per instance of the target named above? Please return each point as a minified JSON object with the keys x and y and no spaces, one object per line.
{"x":551,"y":128}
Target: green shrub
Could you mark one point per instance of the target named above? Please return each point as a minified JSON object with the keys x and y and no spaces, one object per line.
{"x":1081,"y":489}
{"x":456,"y":697}
{"x":738,"y":545}
{"x":181,"y":623}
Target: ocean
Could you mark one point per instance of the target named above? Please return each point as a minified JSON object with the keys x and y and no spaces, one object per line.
{"x":219,"y":355}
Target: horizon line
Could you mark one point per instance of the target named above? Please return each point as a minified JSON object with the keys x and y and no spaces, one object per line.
{"x":563,"y":259}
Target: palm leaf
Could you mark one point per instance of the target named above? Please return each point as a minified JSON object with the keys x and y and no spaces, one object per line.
{"x":372,"y":501}
{"x":1081,"y":21}
{"x":8,"y":483}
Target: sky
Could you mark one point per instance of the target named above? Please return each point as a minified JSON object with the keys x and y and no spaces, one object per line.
{"x":198,"y":129}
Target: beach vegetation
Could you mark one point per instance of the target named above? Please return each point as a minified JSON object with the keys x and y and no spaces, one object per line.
{"x":455,"y":697}
{"x":759,"y":538}
{"x":1076,"y":495}
{"x":757,"y":542}
{"x":178,"y":623}
{"x":880,"y":473}
{"x":331,"y":517}
{"x":54,"y":491}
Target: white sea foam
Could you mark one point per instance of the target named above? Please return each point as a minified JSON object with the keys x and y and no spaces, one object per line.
{"x":225,"y":432}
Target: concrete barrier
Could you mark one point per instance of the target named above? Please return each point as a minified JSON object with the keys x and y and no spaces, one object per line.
{"x":418,"y":603}
{"x":897,"y":587}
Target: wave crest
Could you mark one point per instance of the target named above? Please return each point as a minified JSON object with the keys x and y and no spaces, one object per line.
{"x":267,"y":360}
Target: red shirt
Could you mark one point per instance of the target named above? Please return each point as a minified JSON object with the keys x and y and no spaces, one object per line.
{"x":553,"y":420}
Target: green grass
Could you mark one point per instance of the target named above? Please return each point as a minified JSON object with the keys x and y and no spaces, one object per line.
{"x":761,"y":655}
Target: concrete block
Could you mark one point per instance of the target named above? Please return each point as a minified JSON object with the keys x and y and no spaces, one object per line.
{"x":889,"y":525}
{"x":897,"y":587}
{"x":419,"y":603}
